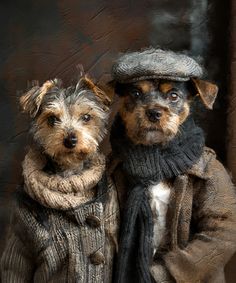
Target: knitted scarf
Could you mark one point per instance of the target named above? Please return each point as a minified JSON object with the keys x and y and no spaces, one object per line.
{"x":144,"y":166}
{"x":55,"y":191}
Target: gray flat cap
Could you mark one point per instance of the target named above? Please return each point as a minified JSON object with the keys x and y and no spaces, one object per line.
{"x":155,"y":63}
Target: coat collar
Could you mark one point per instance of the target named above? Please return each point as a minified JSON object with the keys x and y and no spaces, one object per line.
{"x":199,"y":169}
{"x":180,"y":188}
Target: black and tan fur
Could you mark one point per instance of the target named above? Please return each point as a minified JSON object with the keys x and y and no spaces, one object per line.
{"x":153,"y":110}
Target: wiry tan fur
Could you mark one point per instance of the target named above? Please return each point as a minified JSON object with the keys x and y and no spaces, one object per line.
{"x":69,"y":109}
{"x":30,"y":105}
{"x":87,"y":83}
{"x":89,"y":135}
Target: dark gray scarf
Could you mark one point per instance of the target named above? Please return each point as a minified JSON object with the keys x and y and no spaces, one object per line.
{"x":145,"y":165}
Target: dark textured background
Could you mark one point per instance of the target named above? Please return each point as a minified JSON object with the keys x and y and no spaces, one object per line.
{"x":46,"y":39}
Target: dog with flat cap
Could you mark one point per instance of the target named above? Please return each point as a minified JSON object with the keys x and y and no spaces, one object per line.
{"x":178,"y":202}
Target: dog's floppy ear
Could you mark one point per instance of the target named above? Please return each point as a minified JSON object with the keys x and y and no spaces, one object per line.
{"x":31,"y":100}
{"x":86,"y":83}
{"x":206,"y":90}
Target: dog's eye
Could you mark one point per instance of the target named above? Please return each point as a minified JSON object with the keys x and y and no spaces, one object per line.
{"x":173,"y":96}
{"x":136,"y":93}
{"x":52,"y":120}
{"x":86,"y":117}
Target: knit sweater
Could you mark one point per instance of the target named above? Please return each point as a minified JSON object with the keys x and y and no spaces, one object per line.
{"x":61,"y":232}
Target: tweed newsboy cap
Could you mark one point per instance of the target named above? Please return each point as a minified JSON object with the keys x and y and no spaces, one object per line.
{"x":155,"y":63}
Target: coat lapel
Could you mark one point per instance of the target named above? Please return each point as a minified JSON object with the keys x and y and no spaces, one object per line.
{"x":181,"y":199}
{"x":176,"y":200}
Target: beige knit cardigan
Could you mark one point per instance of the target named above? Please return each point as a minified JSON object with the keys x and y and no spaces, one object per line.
{"x":63,"y":229}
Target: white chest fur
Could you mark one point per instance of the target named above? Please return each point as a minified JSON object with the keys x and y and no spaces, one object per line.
{"x":159,"y":200}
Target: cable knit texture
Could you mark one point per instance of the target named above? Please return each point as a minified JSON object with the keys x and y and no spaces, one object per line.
{"x":63,"y":229}
{"x":155,"y":64}
{"x":55,"y":191}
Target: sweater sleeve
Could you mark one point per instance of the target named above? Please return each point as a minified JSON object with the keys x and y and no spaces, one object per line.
{"x":17,"y":264}
{"x":214,"y":214}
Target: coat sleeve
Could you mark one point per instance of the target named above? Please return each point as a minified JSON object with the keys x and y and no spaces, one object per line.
{"x":17,"y":264}
{"x":214,"y":215}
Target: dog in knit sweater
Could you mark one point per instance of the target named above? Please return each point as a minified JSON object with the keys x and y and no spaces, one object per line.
{"x":65,"y":218}
{"x":174,"y":193}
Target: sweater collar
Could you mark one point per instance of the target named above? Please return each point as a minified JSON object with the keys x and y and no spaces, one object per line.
{"x":57,"y":192}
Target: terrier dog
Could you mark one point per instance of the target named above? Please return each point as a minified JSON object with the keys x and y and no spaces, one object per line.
{"x":67,"y":124}
{"x":167,"y":180}
{"x":153,"y":110}
{"x":65,"y":216}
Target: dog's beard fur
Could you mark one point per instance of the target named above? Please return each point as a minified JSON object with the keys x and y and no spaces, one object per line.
{"x":89,"y":134}
{"x":141,"y":131}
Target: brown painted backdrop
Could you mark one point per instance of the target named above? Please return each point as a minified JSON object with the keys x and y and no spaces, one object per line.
{"x":231,"y":117}
{"x":46,"y":39}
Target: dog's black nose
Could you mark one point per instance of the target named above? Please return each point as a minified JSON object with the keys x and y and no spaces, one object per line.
{"x":70,"y":141}
{"x":153,"y":114}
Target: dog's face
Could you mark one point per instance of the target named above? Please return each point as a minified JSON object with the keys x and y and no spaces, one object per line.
{"x":153,"y":110}
{"x":67,"y":123}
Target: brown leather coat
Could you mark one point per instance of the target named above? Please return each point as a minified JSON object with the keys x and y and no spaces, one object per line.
{"x":201,"y":222}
